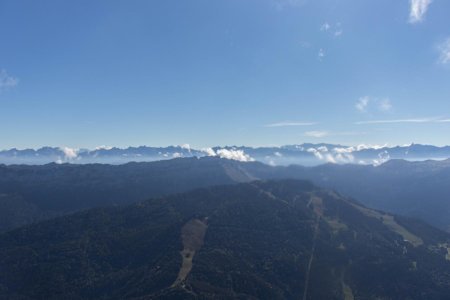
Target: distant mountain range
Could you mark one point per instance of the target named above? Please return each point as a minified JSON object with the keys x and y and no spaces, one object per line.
{"x":259,"y":240}
{"x":304,"y":154}
{"x":33,"y":193}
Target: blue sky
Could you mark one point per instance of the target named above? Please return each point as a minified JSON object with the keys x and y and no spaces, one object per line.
{"x":230,"y":72}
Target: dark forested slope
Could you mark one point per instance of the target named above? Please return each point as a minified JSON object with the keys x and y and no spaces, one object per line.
{"x":29,"y":193}
{"x":265,"y":240}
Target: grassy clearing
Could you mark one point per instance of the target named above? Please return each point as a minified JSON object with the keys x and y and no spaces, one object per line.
{"x":390,"y":222}
{"x":336,"y":225}
{"x":446,"y":246}
{"x":347,"y":291}
{"x":192,"y":235}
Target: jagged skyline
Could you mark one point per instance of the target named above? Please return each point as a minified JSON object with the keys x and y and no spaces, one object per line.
{"x":303,"y":154}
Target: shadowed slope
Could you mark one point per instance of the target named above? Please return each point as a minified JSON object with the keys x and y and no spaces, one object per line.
{"x":265,"y":240}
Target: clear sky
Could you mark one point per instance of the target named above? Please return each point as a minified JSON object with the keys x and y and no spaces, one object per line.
{"x":228,"y":72}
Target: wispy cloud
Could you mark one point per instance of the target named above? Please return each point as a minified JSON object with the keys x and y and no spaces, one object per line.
{"x":444,"y":52}
{"x":338,"y":33}
{"x":289,"y":124}
{"x":321,"y":54}
{"x":281,"y":4}
{"x":335,"y":30}
{"x":382,"y":104}
{"x":316,"y":134}
{"x":385,"y":105}
{"x":414,"y":120}
{"x":362,"y":103}
{"x":7,"y":81}
{"x":418,"y":9}
{"x":324,"y":133}
{"x":325,"y":27}
{"x":305,"y":44}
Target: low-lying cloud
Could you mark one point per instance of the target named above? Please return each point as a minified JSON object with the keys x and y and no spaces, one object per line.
{"x":70,"y":153}
{"x":233,"y":154}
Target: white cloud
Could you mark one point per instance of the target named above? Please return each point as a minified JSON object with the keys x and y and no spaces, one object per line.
{"x":315,"y":152}
{"x":382,"y":158}
{"x":415,"y":120}
{"x":385,"y":105}
{"x":376,"y":147}
{"x":322,"y":149}
{"x":348,"y":150}
{"x":362,"y":103}
{"x":334,"y":30}
{"x":343,"y":150}
{"x":325,"y":27}
{"x":444,"y":52}
{"x":418,"y":9}
{"x":103,"y":147}
{"x":288,"y":124}
{"x":209,"y":151}
{"x":321,"y":54}
{"x":305,"y":44}
{"x":338,"y":33}
{"x":70,"y":153}
{"x":186,"y":147}
{"x":328,"y":157}
{"x":270,"y":162}
{"x":7,"y":81}
{"x":316,"y":134}
{"x":344,"y":155}
{"x":177,"y":155}
{"x":335,"y":155}
{"x":281,"y":4}
{"x":234,"y":155}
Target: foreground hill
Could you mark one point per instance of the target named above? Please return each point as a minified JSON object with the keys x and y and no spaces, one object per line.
{"x":266,"y":240}
{"x":33,"y":193}
{"x":415,"y":189}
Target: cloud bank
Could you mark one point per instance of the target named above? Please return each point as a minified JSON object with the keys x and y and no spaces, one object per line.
{"x":70,"y":153}
{"x":233,"y":154}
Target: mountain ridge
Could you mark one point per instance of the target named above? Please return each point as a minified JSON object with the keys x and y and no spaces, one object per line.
{"x":33,"y":193}
{"x":305,"y":154}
